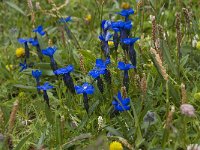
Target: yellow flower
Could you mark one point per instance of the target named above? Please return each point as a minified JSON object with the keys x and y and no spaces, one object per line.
{"x":9,"y":67}
{"x":110,"y":43}
{"x":88,"y":18}
{"x":20,"y":52}
{"x":125,"y":5}
{"x":115,"y":146}
{"x":198,"y":45}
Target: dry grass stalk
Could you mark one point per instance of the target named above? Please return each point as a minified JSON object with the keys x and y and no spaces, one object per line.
{"x":183,"y":94}
{"x":187,"y":16}
{"x":178,"y":33}
{"x":143,"y":84}
{"x":13,"y":115}
{"x":1,"y":116}
{"x":161,"y":37}
{"x":139,"y":4}
{"x":124,"y":93}
{"x":168,"y":123}
{"x":160,"y":64}
{"x":30,"y":6}
{"x":154,"y":30}
{"x":62,"y":122}
{"x":82,"y":64}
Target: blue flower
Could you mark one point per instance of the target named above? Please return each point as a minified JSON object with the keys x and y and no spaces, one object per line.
{"x":124,"y":66}
{"x":36,"y":74}
{"x":132,"y":52}
{"x":105,"y":25}
{"x":86,"y":88}
{"x":25,"y":42}
{"x":39,"y":30}
{"x":118,"y":24}
{"x":126,"y":13}
{"x":23,"y":66}
{"x":22,"y":41}
{"x":66,"y":76}
{"x":102,"y":64}
{"x":121,"y":104}
{"x":95,"y":73}
{"x":104,"y":41}
{"x":129,"y":41}
{"x":65,"y":70}
{"x":49,"y":51}
{"x":45,"y":87}
{"x":33,"y":42}
{"x":63,"y":20}
{"x":105,"y":38}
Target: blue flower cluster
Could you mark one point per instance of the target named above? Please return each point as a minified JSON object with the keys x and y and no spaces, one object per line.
{"x":121,"y":36}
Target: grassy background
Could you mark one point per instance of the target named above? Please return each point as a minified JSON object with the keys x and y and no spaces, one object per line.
{"x":66,"y":124}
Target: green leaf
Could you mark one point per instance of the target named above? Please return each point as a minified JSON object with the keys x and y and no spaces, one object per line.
{"x":76,"y":139}
{"x":49,"y":114}
{"x":169,"y":59}
{"x":92,"y":108}
{"x":113,"y":131}
{"x":32,"y":88}
{"x":4,"y":72}
{"x":13,"y":5}
{"x":22,"y":142}
{"x":184,"y":60}
{"x":41,"y":140}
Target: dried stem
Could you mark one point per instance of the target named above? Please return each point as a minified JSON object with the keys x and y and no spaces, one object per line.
{"x":160,"y":64}
{"x":13,"y":115}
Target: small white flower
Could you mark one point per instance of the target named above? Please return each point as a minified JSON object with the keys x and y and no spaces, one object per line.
{"x":152,"y":17}
{"x":193,"y":147}
{"x":100,"y":122}
{"x":194,"y":41}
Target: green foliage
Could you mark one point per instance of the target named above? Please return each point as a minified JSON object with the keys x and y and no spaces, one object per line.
{"x":66,"y":125}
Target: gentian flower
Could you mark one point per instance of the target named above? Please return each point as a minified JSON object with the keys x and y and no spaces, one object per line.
{"x":50,"y":52}
{"x":121,"y":104}
{"x":116,"y":38}
{"x":39,"y":30}
{"x":105,"y":25}
{"x":66,"y":76}
{"x":132,"y":53}
{"x":64,"y":20}
{"x":126,"y":12}
{"x":101,"y":64}
{"x":125,"y":68}
{"x":124,"y":28}
{"x":25,"y":42}
{"x":104,"y":40}
{"x":95,"y":73}
{"x":85,"y":89}
{"x":37,"y":74}
{"x":23,"y":66}
{"x":35,"y":43}
{"x":45,"y":87}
